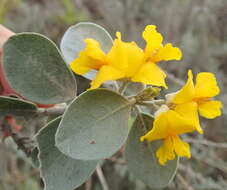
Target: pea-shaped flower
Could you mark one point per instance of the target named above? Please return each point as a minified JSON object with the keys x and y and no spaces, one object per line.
{"x":197,"y":97}
{"x":126,"y":60}
{"x":180,"y":115}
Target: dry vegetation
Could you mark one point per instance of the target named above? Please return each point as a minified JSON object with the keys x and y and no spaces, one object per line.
{"x":198,"y":27}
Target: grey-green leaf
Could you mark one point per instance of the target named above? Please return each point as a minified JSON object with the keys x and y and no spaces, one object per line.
{"x":141,"y":158}
{"x":15,"y":106}
{"x":57,"y":170}
{"x":94,"y":126}
{"x":73,"y":41}
{"x":35,"y":68}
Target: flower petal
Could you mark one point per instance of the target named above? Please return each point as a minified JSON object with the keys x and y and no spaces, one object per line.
{"x":167,"y":124}
{"x":150,"y":73}
{"x":190,"y":111}
{"x":159,"y":130}
{"x":104,"y":74}
{"x":135,"y":57}
{"x":94,"y":50}
{"x":206,"y":85}
{"x":187,"y":92}
{"x":167,"y":53}
{"x":81,"y":65}
{"x":181,"y":148}
{"x":116,"y":56}
{"x":166,"y":151}
{"x":153,"y":40}
{"x":178,"y":125}
{"x":125,"y":56}
{"x":210,"y":109}
{"x":92,"y":57}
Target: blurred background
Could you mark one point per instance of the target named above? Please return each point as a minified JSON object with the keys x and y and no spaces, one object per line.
{"x":198,"y":27}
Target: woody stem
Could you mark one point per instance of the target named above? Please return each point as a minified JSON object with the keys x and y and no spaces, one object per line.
{"x":23,"y":143}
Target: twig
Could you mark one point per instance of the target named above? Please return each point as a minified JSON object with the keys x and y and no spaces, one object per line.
{"x":160,"y":101}
{"x":138,"y":110}
{"x":176,"y":80}
{"x":19,"y":141}
{"x":116,"y":160}
{"x":57,"y":110}
{"x":207,"y":143}
{"x":101,"y":178}
{"x":214,"y":162}
{"x":189,"y":171}
{"x":154,"y":103}
{"x":88,"y":184}
{"x":184,"y":182}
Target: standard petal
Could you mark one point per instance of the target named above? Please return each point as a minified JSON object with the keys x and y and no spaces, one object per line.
{"x":135,"y":57}
{"x":80,"y":65}
{"x":178,"y":124}
{"x":106,"y":73}
{"x":167,"y":53}
{"x":166,"y":151}
{"x":94,"y":50}
{"x":189,"y":111}
{"x":210,"y":109}
{"x":159,"y":130}
{"x":153,"y":40}
{"x":187,"y":92}
{"x":206,"y":85}
{"x":150,"y":73}
{"x":125,"y":56}
{"x":181,"y":148}
{"x":116,"y":56}
{"x":167,"y":124}
{"x":92,"y":57}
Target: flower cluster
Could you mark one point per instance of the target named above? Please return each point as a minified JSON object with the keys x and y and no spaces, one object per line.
{"x":127,"y":60}
{"x":180,"y":113}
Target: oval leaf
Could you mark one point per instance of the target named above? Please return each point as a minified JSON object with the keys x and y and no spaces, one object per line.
{"x":141,"y":158}
{"x":57,"y":170}
{"x":35,"y":68}
{"x":15,"y":106}
{"x":94,"y":126}
{"x":73,"y":41}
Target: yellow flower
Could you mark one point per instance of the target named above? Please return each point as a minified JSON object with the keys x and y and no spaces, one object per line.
{"x":180,"y":115}
{"x":198,"y":96}
{"x":167,"y":126}
{"x":127,"y":60}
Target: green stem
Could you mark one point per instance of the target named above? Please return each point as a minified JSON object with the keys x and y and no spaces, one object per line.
{"x":155,"y":103}
{"x":139,"y":115}
{"x":147,"y":94}
{"x":160,"y":101}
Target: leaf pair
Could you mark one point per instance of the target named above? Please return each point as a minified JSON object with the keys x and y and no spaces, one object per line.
{"x":94,"y":127}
